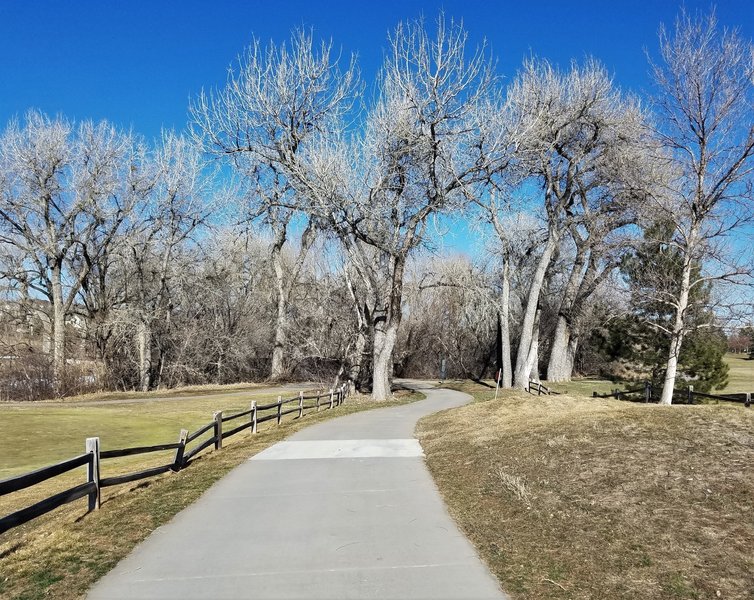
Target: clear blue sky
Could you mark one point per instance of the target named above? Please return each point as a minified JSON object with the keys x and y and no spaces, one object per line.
{"x":137,"y":63}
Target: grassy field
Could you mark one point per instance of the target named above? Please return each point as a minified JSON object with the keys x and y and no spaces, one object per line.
{"x":741,"y":374}
{"x":591,"y":499}
{"x":740,"y":379}
{"x":36,"y":434}
{"x":62,"y":553}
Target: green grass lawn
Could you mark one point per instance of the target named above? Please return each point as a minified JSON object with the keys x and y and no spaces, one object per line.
{"x":740,"y":379}
{"x":35,"y":435}
{"x":60,"y":554}
{"x":741,"y":374}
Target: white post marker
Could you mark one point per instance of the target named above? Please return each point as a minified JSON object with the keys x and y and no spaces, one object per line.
{"x":253,"y":416}
{"x":92,"y":472}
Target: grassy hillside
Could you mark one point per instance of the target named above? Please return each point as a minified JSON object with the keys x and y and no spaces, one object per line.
{"x":577,"y":498}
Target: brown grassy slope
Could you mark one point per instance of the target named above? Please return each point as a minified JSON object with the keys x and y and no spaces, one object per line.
{"x":577,"y":498}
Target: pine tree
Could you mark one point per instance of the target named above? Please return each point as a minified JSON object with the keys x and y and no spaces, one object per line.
{"x":653,"y":273}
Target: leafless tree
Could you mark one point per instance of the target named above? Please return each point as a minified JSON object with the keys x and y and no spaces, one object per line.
{"x":276,"y":100}
{"x":179,"y":201}
{"x":574,"y":134}
{"x":423,"y":150}
{"x":66,"y":190}
{"x":705,"y":121}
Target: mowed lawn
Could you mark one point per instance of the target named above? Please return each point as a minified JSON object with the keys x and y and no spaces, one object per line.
{"x":740,"y":379}
{"x":568,"y":497}
{"x":741,"y":373}
{"x":60,"y":554}
{"x":37,"y":434}
{"x":34,"y":435}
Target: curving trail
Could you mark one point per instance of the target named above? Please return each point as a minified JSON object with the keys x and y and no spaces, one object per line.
{"x":342,"y":509}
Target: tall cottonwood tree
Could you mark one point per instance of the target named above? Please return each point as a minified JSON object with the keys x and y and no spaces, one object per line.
{"x":66,"y":190}
{"x":273,"y":104}
{"x":572,"y":131}
{"x":423,"y":150}
{"x":177,"y":203}
{"x":705,"y":122}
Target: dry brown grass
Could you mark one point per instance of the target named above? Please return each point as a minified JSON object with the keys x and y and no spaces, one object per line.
{"x":579,"y":498}
{"x":61,"y":554}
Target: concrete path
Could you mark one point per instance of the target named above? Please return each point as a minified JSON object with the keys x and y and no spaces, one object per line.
{"x":343,"y":509}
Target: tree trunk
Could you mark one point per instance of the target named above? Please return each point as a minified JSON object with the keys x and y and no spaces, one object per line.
{"x":355,"y":373}
{"x":386,"y":331}
{"x":277,"y":368}
{"x":523,"y":367}
{"x":144,"y":347}
{"x":532,"y":359}
{"x":58,"y":332}
{"x":505,"y":332}
{"x":559,"y":368}
{"x":678,"y":331}
{"x":382,"y":361}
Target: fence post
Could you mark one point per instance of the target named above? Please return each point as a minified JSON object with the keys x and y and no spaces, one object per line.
{"x":647,"y":391}
{"x":747,"y":402}
{"x":691,"y":394}
{"x":253,"y":416}
{"x":280,"y":408}
{"x":92,"y":472}
{"x":331,"y":397}
{"x":178,"y":462}
{"x":217,"y":417}
{"x":300,"y":404}
{"x":317,"y":402}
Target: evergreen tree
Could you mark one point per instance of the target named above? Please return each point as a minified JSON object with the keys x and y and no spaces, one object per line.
{"x":652,"y":273}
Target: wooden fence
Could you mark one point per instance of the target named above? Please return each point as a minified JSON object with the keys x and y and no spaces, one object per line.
{"x":93,"y":457}
{"x":647,"y":393}
{"x":535,"y":387}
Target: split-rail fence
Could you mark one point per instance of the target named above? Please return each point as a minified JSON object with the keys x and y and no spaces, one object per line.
{"x":221,"y":427}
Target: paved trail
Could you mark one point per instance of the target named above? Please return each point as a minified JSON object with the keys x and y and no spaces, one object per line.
{"x":343,"y":509}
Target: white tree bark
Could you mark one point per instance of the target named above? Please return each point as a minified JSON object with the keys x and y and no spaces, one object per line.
{"x":507,"y":379}
{"x":384,"y":344}
{"x":532,"y":359}
{"x":144,"y":350}
{"x":58,"y":330}
{"x":523,"y":363}
{"x":559,"y":367}
{"x":277,"y":368}
{"x":677,"y":334}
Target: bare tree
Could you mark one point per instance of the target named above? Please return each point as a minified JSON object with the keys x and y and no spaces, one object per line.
{"x":178,"y":202}
{"x":705,"y":104}
{"x":569,"y":129}
{"x":421,"y":151}
{"x":66,"y":191}
{"x":273,"y":103}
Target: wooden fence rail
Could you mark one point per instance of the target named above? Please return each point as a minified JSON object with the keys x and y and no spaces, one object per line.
{"x":536,"y":386}
{"x":93,"y":457}
{"x":681,"y":395}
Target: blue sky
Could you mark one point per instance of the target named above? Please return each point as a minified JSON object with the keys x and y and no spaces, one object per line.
{"x":137,"y":63}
